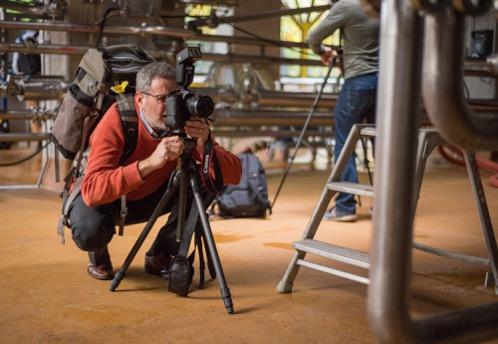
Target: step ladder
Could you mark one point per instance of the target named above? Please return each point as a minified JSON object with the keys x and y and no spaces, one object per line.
{"x":429,"y":139}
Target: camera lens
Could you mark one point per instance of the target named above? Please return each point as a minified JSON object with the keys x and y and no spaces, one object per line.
{"x":200,"y":106}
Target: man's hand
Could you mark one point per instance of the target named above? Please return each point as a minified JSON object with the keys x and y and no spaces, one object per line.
{"x":197,"y":128}
{"x":327,"y":55}
{"x":169,"y":149}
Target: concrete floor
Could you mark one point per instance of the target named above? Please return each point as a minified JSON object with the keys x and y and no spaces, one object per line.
{"x":47,"y":297}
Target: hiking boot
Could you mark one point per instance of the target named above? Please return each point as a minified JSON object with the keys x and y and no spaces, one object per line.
{"x":100,"y":266}
{"x":157,"y":265}
{"x":339,"y":217}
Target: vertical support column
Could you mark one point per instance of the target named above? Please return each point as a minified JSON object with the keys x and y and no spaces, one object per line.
{"x":398,"y":105}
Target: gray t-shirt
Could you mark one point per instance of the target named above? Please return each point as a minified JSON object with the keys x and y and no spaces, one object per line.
{"x":361,"y":37}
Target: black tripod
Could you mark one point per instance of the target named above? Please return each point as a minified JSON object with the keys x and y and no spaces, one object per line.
{"x":187,"y":173}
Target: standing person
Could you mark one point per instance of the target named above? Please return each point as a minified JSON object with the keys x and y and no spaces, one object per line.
{"x":357,"y":99}
{"x":142,"y":177}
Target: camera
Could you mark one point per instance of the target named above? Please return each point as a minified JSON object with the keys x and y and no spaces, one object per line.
{"x":182,"y":104}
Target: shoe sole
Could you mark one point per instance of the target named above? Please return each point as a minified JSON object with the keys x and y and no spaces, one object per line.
{"x":345,"y":218}
{"x":100,"y":277}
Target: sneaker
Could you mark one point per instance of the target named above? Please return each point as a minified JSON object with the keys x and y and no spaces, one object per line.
{"x":332,"y":215}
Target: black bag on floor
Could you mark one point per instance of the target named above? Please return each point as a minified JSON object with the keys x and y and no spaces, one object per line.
{"x":181,"y":268}
{"x":250,"y":197}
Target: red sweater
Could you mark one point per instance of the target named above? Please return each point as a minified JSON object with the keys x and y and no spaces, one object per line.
{"x":106,"y":179}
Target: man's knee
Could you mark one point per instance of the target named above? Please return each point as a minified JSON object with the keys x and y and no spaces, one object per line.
{"x":92,"y":233}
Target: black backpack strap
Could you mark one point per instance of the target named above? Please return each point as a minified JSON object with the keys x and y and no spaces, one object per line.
{"x":129,"y":121}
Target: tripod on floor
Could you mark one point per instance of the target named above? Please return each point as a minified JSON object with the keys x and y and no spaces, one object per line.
{"x":186,"y":175}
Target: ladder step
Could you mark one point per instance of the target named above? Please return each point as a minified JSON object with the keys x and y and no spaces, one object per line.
{"x":334,"y":252}
{"x":352,"y":188}
{"x":335,"y":272}
{"x":369,"y":131}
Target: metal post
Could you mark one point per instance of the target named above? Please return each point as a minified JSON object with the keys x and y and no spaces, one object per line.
{"x":398,"y":106}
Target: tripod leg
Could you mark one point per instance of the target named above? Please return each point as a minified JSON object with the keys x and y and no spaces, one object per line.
{"x":118,"y":277}
{"x":225,"y":292}
{"x":182,"y":204}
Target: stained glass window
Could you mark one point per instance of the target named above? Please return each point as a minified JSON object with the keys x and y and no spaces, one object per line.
{"x":295,"y":28}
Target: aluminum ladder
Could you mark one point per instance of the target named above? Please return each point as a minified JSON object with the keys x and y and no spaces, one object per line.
{"x":429,"y":139}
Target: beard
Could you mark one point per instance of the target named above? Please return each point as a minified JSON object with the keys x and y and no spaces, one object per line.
{"x":156,"y":123}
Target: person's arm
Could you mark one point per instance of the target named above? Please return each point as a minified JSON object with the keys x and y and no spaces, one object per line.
{"x":104,"y":180}
{"x":169,"y":149}
{"x":335,"y":19}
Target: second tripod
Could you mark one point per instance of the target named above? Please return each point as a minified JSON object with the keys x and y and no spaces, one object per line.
{"x":184,"y":177}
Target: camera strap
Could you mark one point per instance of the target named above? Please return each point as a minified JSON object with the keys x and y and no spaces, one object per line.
{"x":213,"y":185}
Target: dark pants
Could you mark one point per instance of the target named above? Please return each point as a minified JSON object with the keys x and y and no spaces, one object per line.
{"x":356,"y":104}
{"x":93,"y":228}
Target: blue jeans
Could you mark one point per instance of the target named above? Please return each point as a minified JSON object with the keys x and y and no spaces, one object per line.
{"x":356,"y":104}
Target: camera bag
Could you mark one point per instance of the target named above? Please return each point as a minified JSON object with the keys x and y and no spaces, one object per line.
{"x":181,"y":268}
{"x":250,"y":197}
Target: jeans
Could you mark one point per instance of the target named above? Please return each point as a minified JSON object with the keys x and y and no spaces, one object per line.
{"x":356,"y":104}
{"x":93,"y":228}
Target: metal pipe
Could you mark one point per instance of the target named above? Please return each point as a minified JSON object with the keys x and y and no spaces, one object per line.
{"x":16,"y":137}
{"x":452,"y":255}
{"x":442,"y":85}
{"x":279,"y":98}
{"x":269,"y":118}
{"x":398,"y":104}
{"x":43,"y":49}
{"x":277,"y":132}
{"x":149,"y":30}
{"x":276,"y":13}
{"x":388,"y":293}
{"x":228,"y":58}
{"x":34,"y":89}
{"x":34,"y":115}
{"x":16,"y":117}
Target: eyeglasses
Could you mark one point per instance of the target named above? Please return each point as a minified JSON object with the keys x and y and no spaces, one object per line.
{"x":161,"y":99}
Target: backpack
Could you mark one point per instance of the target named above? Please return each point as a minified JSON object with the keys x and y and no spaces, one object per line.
{"x":250,"y":197}
{"x":104,"y":76}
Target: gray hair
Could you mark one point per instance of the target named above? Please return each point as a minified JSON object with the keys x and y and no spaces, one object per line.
{"x":153,"y":70}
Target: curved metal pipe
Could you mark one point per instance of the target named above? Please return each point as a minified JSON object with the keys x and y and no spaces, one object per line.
{"x":390,"y":273}
{"x":443,"y":89}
